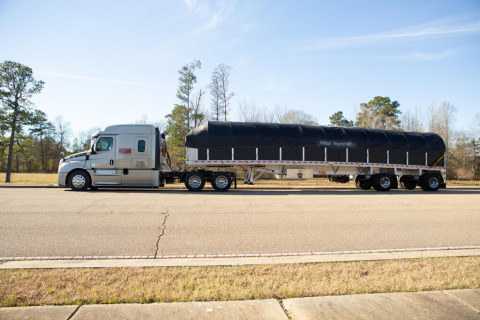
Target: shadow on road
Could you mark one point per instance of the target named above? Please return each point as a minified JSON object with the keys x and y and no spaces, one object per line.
{"x":283,"y":192}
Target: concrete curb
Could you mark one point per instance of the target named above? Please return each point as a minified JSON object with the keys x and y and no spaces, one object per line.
{"x":234,"y":261}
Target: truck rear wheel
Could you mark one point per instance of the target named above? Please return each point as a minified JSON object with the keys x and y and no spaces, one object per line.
{"x":408,"y":184}
{"x":221,"y":181}
{"x":195,"y":181}
{"x":79,"y":181}
{"x":430,"y":182}
{"x":362,"y":183}
{"x":382,"y":182}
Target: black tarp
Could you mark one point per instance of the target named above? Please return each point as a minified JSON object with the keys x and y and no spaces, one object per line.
{"x":321,"y":143}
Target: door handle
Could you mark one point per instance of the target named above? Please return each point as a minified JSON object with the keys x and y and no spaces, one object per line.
{"x":111,"y":162}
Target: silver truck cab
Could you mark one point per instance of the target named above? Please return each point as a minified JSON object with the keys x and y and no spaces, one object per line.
{"x":120,"y":156}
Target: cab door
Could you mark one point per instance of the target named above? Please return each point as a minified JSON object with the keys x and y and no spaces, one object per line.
{"x":104,"y":162}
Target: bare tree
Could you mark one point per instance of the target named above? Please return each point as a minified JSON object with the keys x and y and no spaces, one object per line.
{"x":214,"y":86}
{"x":441,"y":121}
{"x":220,"y":101}
{"x":281,"y":114}
{"x":249,"y":111}
{"x":197,"y":114}
{"x":412,"y":121}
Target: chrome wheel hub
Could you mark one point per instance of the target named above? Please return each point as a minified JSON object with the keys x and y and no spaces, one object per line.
{"x":221,"y":182}
{"x":195,"y":182}
{"x":433,"y":182}
{"x":78,"y":181}
{"x":385,"y":182}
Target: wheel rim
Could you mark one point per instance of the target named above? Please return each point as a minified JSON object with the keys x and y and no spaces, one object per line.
{"x":221,"y":182}
{"x":385,"y":182}
{"x":195,"y":181}
{"x":433,"y":182}
{"x":78,"y":181}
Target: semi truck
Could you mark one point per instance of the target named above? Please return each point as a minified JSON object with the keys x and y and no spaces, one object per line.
{"x":136,"y":155}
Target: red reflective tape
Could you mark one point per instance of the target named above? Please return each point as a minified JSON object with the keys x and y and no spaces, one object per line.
{"x":125,"y":150}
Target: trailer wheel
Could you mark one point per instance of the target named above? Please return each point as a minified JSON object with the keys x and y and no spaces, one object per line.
{"x":382,"y":182}
{"x":221,"y":181}
{"x":408,"y":184}
{"x":430,"y":182}
{"x":79,"y":180}
{"x":364,"y":184}
{"x":194,"y":181}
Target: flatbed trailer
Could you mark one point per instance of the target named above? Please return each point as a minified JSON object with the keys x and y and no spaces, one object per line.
{"x":382,"y":159}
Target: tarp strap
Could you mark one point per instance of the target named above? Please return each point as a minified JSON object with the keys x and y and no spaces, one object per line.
{"x":438,"y":161}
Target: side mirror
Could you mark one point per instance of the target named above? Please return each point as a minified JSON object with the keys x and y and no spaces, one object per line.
{"x":62,"y":155}
{"x":93,"y":149}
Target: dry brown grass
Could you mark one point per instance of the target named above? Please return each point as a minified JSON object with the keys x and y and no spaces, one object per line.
{"x":31,"y":178}
{"x":168,"y":284}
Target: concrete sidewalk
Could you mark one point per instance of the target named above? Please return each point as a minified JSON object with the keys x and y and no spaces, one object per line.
{"x":452,"y":304}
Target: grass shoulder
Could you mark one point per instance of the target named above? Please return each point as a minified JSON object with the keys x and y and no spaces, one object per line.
{"x":32,"y":287}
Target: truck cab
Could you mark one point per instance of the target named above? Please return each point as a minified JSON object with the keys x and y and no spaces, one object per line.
{"x":120,"y":156}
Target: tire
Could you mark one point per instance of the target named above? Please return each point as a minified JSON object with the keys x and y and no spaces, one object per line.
{"x":382,"y":182}
{"x":195,"y":181}
{"x":408,"y":184}
{"x":430,"y":182}
{"x":79,"y":180}
{"x":361,"y":183}
{"x":221,"y":181}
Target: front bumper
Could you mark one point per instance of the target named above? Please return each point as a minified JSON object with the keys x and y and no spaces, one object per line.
{"x":62,"y":179}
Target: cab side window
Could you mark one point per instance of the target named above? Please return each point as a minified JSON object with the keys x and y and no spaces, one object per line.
{"x":104,"y":144}
{"x":141,"y":146}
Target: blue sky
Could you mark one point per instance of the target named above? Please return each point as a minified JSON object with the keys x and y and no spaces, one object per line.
{"x":109,"y":62}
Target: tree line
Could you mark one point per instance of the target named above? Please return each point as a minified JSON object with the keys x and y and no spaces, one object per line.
{"x":29,"y":142}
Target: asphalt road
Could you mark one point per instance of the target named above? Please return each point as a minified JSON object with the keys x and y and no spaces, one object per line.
{"x":61,"y":223}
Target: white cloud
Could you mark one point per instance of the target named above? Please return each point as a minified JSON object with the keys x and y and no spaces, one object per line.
{"x":190,"y":3}
{"x":415,"y":32}
{"x":73,"y":76}
{"x":423,"y":56}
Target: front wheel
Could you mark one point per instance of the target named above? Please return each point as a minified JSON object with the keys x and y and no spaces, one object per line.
{"x":79,"y":181}
{"x":195,"y":181}
{"x":382,"y":182}
{"x":430,"y":182}
{"x":221,"y":181}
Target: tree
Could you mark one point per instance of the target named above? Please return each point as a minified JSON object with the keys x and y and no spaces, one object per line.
{"x":17,"y":86}
{"x":412,"y":122}
{"x":220,"y":101}
{"x":39,"y":126}
{"x":177,"y":129}
{"x":249,"y":111}
{"x":441,"y":121}
{"x":197,"y":113}
{"x":379,"y":113}
{"x":186,"y":81}
{"x":281,"y":114}
{"x":337,"y":119}
{"x":179,"y":121}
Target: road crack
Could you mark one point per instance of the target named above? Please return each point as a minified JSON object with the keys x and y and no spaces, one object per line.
{"x":162,"y":229}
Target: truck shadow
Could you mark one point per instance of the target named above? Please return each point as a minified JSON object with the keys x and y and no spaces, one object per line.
{"x":284,"y":192}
